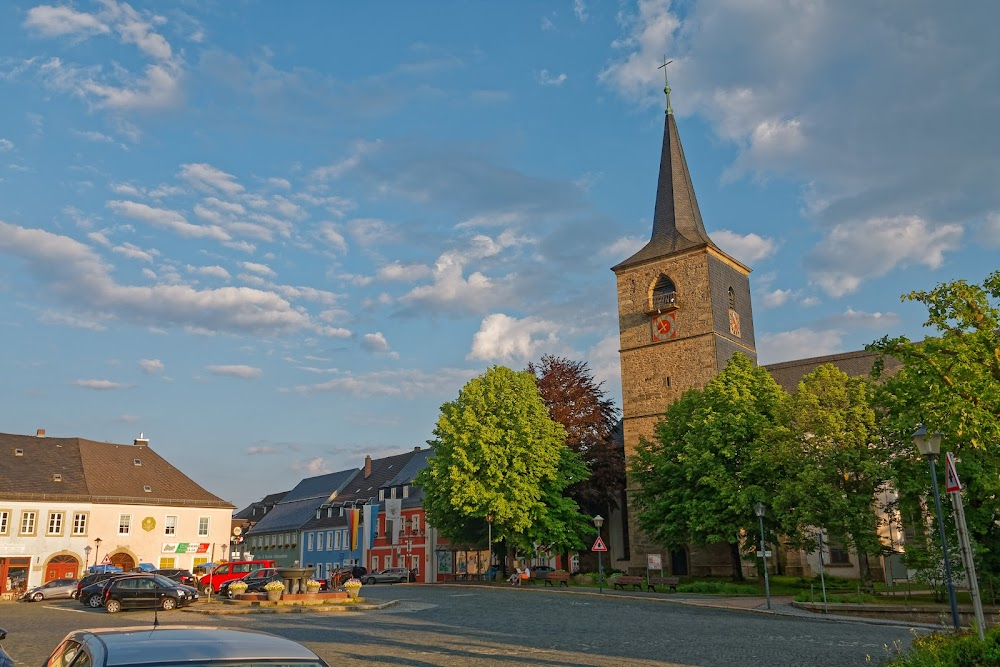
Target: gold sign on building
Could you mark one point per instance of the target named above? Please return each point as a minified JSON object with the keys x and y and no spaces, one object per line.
{"x":148,"y":524}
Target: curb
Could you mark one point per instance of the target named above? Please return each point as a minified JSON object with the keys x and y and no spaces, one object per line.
{"x":292,"y":609}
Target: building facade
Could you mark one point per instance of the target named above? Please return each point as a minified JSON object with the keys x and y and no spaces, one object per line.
{"x":70,"y":503}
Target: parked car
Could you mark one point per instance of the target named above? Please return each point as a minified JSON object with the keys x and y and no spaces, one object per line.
{"x":392,"y":575}
{"x":179,"y":644}
{"x":254,"y":581}
{"x":145,"y":591}
{"x":57,"y":589}
{"x":210,"y":582}
{"x":180,"y":576}
{"x":90,"y":589}
{"x":5,"y":660}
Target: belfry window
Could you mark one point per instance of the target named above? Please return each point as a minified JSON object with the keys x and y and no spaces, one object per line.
{"x":664,"y":296}
{"x":732,"y":299}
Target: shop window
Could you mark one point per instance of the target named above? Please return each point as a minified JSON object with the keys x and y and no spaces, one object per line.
{"x":170,"y":563}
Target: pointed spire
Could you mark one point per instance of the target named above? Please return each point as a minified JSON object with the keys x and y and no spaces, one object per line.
{"x":677,"y":221}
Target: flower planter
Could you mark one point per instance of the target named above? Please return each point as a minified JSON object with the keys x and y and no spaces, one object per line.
{"x":352,"y":593}
{"x":273,"y":596}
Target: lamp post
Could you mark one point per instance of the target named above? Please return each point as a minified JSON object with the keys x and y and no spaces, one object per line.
{"x":489,"y":544}
{"x":86,"y":557}
{"x":760,"y":510}
{"x":929,"y":447}
{"x":97,"y":544}
{"x":598,"y":522}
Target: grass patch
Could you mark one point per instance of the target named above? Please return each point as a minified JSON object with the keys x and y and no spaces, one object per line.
{"x":949,"y":650}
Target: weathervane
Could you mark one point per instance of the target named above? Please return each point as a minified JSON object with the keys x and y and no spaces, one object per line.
{"x":666,"y":84}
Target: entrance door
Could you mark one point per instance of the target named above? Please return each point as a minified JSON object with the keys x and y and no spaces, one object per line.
{"x":678,"y":562}
{"x":62,"y":567}
{"x":122,"y":560}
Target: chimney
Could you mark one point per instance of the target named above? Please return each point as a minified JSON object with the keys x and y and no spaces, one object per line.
{"x":368,"y":466}
{"x":140,"y":441}
{"x":40,"y":433}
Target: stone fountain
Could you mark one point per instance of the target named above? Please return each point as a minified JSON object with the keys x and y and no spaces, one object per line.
{"x":295,"y":578}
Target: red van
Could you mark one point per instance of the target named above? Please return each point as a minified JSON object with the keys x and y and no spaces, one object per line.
{"x":235,"y":570}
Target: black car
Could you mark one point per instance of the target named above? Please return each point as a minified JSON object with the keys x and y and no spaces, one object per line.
{"x":180,"y":576}
{"x":90,"y":590}
{"x":5,"y":660}
{"x":146,"y":591}
{"x":254,"y":580}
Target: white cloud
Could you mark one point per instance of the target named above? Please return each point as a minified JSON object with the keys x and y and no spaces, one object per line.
{"x":329,"y":233}
{"x":372,"y":232}
{"x":282,"y":183}
{"x":207,"y":178}
{"x":874,"y":320}
{"x":333,"y":171}
{"x":510,"y":340}
{"x":546,"y":79}
{"x":580,"y":10}
{"x":405,"y":384}
{"x":62,"y":319}
{"x":52,"y":21}
{"x":151,"y":366}
{"x":604,"y":361}
{"x":6,"y":144}
{"x":798,"y":344}
{"x":776,"y":298}
{"x":236,"y":370}
{"x":376,"y":343}
{"x":747,"y":248}
{"x":854,"y":252}
{"x":134,"y":252}
{"x":624,"y":247}
{"x":404,"y":272}
{"x":263,"y":449}
{"x":166,"y":219}
{"x":71,"y":272}
{"x":100,"y":385}
{"x":990,"y":230}
{"x":259,"y":269}
{"x":210,"y":271}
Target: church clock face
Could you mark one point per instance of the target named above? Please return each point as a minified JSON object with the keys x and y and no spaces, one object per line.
{"x":734,"y":323}
{"x":665,"y":327}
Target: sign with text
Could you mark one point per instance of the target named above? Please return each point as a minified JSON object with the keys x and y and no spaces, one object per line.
{"x":184,"y":548}
{"x":654,"y":562}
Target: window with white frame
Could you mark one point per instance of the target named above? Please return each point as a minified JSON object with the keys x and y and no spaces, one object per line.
{"x":28,"y":523}
{"x":392,"y":492}
{"x":55,"y":523}
{"x":309,"y":542}
{"x":170,"y":525}
{"x":80,"y":523}
{"x":329,"y":540}
{"x":4,"y":522}
{"x":336,"y":544}
{"x":381,"y":494}
{"x":406,"y":490}
{"x":124,"y":524}
{"x":203,"y":526}
{"x":319,"y":540}
{"x":415,"y":523}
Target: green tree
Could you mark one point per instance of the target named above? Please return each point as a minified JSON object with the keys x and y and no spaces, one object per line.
{"x":707,"y":467}
{"x":498,"y":455}
{"x":833,"y":462}
{"x":950,"y":381}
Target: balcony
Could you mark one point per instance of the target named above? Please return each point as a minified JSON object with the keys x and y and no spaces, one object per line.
{"x":662,"y":302}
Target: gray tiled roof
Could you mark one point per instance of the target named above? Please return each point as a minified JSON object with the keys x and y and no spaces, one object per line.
{"x":677,"y":224}
{"x":409,"y":472}
{"x":788,"y":374}
{"x":262,"y":506}
{"x":99,"y":472}
{"x":301,"y":503}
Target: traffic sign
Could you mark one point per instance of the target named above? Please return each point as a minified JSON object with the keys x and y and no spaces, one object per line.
{"x":951,"y":482}
{"x":599,"y":545}
{"x":106,"y":561}
{"x":237,"y":531}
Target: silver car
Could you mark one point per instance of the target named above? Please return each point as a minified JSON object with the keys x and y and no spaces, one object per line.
{"x":391,"y":575}
{"x":57,"y":589}
{"x":151,"y":646}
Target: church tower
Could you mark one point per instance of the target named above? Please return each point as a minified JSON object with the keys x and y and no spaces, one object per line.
{"x":683,"y":311}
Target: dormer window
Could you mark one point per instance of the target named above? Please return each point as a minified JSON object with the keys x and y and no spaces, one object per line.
{"x":147,"y":488}
{"x":56,"y":477}
{"x":381,"y":494}
{"x":137,"y":462}
{"x":18,"y":452}
{"x":663,"y":297}
{"x":406,"y":490}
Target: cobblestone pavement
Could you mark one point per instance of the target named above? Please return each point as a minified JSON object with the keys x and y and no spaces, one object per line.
{"x":448,"y":626}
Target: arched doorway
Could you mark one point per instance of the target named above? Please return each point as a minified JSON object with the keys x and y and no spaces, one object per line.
{"x":123,"y":560}
{"x":678,"y":562}
{"x":62,"y":567}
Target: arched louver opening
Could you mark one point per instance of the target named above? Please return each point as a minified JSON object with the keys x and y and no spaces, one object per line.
{"x":664,"y":296}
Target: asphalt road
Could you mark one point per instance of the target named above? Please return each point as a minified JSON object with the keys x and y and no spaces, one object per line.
{"x":446,"y":626}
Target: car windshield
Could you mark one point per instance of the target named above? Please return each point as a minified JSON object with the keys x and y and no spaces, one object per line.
{"x":163,"y":581}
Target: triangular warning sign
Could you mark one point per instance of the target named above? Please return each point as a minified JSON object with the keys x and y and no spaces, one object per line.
{"x":599,"y":545}
{"x":106,"y":561}
{"x":951,"y":482}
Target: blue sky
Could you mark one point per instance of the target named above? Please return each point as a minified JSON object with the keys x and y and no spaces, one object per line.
{"x":277,"y":237}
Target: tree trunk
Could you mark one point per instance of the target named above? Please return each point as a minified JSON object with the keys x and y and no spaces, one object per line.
{"x":734,"y":552}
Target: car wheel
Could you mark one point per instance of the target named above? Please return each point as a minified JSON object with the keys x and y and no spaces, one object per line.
{"x":167,"y":604}
{"x":370,"y":581}
{"x":74,"y":595}
{"x":94,"y":601}
{"x":37,"y":597}
{"x":113,"y":606}
{"x":207,"y":590}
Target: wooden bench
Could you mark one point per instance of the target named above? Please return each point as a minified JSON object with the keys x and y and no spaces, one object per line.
{"x":637,"y":582}
{"x":561,"y":577}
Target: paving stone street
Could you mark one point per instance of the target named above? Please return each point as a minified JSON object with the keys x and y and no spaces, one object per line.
{"x":448,"y":626}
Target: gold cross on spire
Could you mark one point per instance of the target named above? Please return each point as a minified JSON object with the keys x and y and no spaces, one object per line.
{"x":666,"y":84}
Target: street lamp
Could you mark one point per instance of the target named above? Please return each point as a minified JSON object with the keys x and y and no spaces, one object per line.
{"x":86,"y":555}
{"x":97,"y":543}
{"x":598,"y":522}
{"x":929,"y":447}
{"x":489,"y":543}
{"x":759,"y":510}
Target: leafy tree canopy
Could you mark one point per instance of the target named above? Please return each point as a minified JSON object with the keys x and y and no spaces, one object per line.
{"x":498,"y":455}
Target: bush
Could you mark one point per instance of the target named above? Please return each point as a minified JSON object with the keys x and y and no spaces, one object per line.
{"x":950,"y":650}
{"x":719,"y":588}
